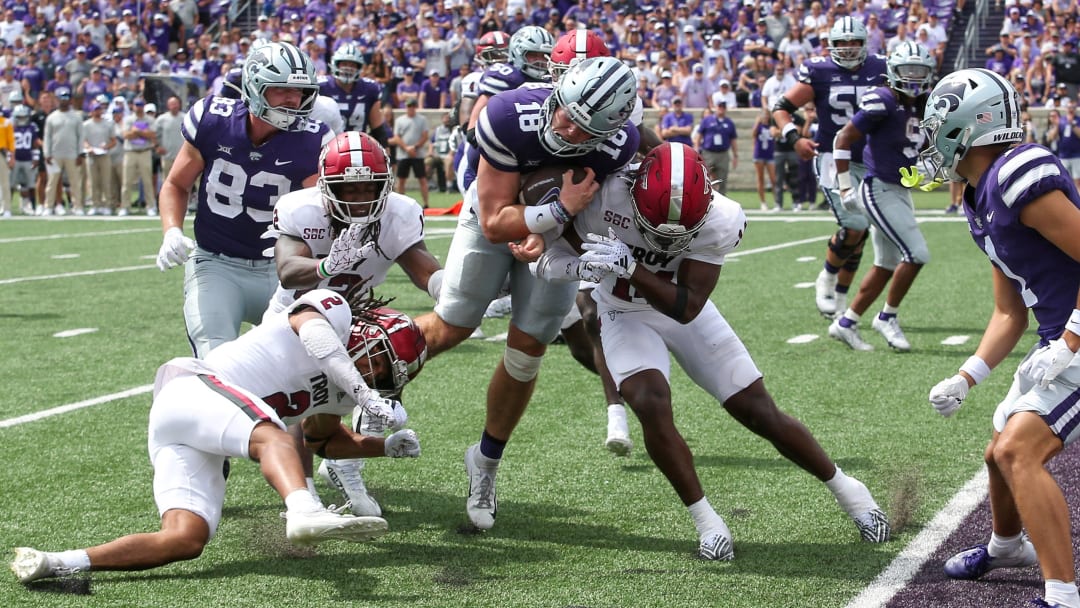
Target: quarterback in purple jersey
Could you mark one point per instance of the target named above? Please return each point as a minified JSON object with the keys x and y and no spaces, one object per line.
{"x":1023,"y":211}
{"x":583,"y":120}
{"x":888,"y":120}
{"x":835,"y":84}
{"x":357,"y":98}
{"x":248,"y":153}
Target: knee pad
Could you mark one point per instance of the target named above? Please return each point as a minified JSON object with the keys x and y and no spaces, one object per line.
{"x":521,"y":367}
{"x":853,"y":261}
{"x":841,"y":248}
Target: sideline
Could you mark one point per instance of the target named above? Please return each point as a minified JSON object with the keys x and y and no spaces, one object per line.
{"x":63,"y":409}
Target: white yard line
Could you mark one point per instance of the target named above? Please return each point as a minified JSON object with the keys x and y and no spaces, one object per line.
{"x":53,"y":237}
{"x":902,"y":569}
{"x":63,"y":409}
{"x":82,"y":273}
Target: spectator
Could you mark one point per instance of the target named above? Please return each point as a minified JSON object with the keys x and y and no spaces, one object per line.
{"x":777,"y":23}
{"x":7,"y":163}
{"x":764,"y":149}
{"x":725,"y":94}
{"x":1037,"y":81}
{"x":875,"y":37}
{"x":411,"y":140}
{"x":677,"y":125}
{"x":795,"y":48}
{"x":117,"y":113}
{"x":435,"y":51}
{"x":139,"y":142}
{"x":1013,"y":23}
{"x":169,"y":137}
{"x":900,"y":38}
{"x":62,"y":148}
{"x":716,"y":138}
{"x":1069,"y":142}
{"x":407,"y":89}
{"x":697,"y":90}
{"x":1067,"y":67}
{"x":434,"y":92}
{"x":98,"y":139}
{"x":440,"y":155}
{"x":776,"y":85}
{"x":665,"y":92}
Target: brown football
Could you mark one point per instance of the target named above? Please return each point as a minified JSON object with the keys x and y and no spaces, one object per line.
{"x":543,"y":185}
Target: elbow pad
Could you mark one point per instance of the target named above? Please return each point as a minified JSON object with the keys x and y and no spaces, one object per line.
{"x":470,"y":136}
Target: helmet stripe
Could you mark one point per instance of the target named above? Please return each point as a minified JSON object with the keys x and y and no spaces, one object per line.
{"x":581,"y":41}
{"x":296,"y":62}
{"x":678,"y":183}
{"x":1009,"y":94}
{"x":354,"y":144}
{"x":603,"y":85}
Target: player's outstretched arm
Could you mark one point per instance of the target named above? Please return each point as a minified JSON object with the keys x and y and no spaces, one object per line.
{"x":326,"y":436}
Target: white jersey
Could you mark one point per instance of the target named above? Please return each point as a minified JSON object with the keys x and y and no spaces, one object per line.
{"x":271,"y":363}
{"x":325,"y":110}
{"x":637,"y":115}
{"x":301,"y":215}
{"x":722,"y":231}
{"x":470,"y":85}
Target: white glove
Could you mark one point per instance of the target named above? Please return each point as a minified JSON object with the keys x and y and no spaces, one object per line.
{"x":593,"y":272}
{"x":611,"y":251}
{"x":175,"y":249}
{"x":389,"y":411}
{"x":1044,"y":365}
{"x":345,"y":251}
{"x":849,"y":199}
{"x":402,"y":444}
{"x":949,"y":394}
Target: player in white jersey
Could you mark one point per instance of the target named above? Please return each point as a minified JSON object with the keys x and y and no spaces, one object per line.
{"x":325,"y":110}
{"x":310,"y":363}
{"x":346,"y":233}
{"x":655,"y":241}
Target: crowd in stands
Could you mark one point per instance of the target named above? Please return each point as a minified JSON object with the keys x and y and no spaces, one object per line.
{"x":1037,"y":51}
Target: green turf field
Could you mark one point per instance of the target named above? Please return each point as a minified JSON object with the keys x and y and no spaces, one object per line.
{"x":577,"y":526}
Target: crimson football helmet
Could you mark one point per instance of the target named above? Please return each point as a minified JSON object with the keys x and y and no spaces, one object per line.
{"x":387,"y":331}
{"x":350,"y":158}
{"x":672,"y":194}
{"x":572,"y":47}
{"x":492,"y":48}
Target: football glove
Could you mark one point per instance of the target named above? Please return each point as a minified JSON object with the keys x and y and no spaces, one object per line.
{"x":390,"y":411}
{"x":849,"y":199}
{"x":611,"y":251}
{"x":948,"y":395}
{"x":402,"y":444}
{"x":1044,"y":365}
{"x":175,"y":249}
{"x":345,"y":252}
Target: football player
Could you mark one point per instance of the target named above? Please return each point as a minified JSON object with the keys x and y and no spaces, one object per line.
{"x":357,"y":98}
{"x":492,"y":48}
{"x":346,"y":233}
{"x":27,"y":156}
{"x":888,"y":121}
{"x":656,"y":241}
{"x":249,"y":153}
{"x":835,"y":84}
{"x":519,"y":131}
{"x":309,"y":364}
{"x":1023,"y":211}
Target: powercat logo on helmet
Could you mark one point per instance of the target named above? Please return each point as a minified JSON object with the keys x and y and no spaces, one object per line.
{"x":948,"y":95}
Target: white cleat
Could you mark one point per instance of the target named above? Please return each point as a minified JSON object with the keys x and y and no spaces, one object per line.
{"x":346,"y":476}
{"x":848,"y":335}
{"x":30,"y":565}
{"x":499,"y":307}
{"x":716,"y":545}
{"x":874,"y":526}
{"x":481,"y":504}
{"x":893,"y":334}
{"x":618,"y":433}
{"x":307,"y":529}
{"x":825,"y":293}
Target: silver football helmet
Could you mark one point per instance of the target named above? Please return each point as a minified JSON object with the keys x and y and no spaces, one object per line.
{"x":910,"y":68}
{"x":346,"y":53}
{"x":968,"y":108}
{"x":598,"y":95}
{"x":848,"y":29}
{"x":21,"y":114}
{"x":527,"y":40}
{"x":278,"y":64}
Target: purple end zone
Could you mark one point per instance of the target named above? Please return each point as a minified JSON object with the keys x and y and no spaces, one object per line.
{"x":1004,"y":587}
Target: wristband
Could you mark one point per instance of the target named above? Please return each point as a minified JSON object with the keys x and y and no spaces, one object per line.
{"x":790,"y":133}
{"x":322,"y":270}
{"x":976,"y":368}
{"x":1073,"y":323}
{"x":841,"y":154}
{"x":843,"y":181}
{"x":542,"y":218}
{"x":559,"y":211}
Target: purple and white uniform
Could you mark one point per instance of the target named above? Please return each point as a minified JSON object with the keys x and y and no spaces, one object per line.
{"x":892,"y":141}
{"x":356,"y":104}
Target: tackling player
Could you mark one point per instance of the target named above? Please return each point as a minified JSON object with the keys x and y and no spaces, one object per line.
{"x":310,"y":364}
{"x":835,"y":84}
{"x":656,"y":241}
{"x":1023,"y":211}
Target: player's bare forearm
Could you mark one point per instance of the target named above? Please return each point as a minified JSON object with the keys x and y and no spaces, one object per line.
{"x":682,"y":301}
{"x":339,"y":442}
{"x":504,"y":224}
{"x":296,"y":266}
{"x":1007,"y":323}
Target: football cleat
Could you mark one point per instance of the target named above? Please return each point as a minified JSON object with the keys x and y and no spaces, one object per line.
{"x":873,"y":526}
{"x":499,"y":307}
{"x":825,"y":293}
{"x":481,"y":504}
{"x":346,"y":476}
{"x":30,"y":565}
{"x":307,"y":529}
{"x":893,"y":334}
{"x":848,"y":335}
{"x":716,"y":546}
{"x":973,"y":562}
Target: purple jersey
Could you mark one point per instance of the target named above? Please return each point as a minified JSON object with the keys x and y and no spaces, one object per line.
{"x":1045,"y":276}
{"x":502,"y":77}
{"x":241,"y":181}
{"x":355,"y":105}
{"x":25,"y":135}
{"x":508,"y":134}
{"x":836,"y":94}
{"x":892,"y":134}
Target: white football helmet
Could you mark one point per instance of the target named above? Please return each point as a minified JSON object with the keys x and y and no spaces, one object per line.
{"x":278,"y":64}
{"x":910,"y":69}
{"x":848,"y":29}
{"x":527,"y":40}
{"x":21,"y":114}
{"x":598,"y":95}
{"x":346,"y":53}
{"x":968,"y":108}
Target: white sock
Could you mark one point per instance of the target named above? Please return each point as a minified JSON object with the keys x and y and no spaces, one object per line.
{"x":1005,"y":546}
{"x":706,"y":518}
{"x":852,"y":495}
{"x":301,"y":501}
{"x":854,"y":317}
{"x":616,"y":413}
{"x":890,"y":310}
{"x":75,"y":560}
{"x":1061,"y":594}
{"x":311,"y":488}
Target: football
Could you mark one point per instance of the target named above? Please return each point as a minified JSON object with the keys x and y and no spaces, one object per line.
{"x":543,"y":185}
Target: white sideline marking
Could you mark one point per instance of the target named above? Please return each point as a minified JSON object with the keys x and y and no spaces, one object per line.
{"x":804,"y":285}
{"x":70,"y":333}
{"x":766,"y":249}
{"x":907,"y":563}
{"x":955,"y":340}
{"x":131,"y":392}
{"x":803,"y":339}
{"x":83,"y":273}
{"x":806,"y":258}
{"x":52,"y":237}
{"x":65,"y":256}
